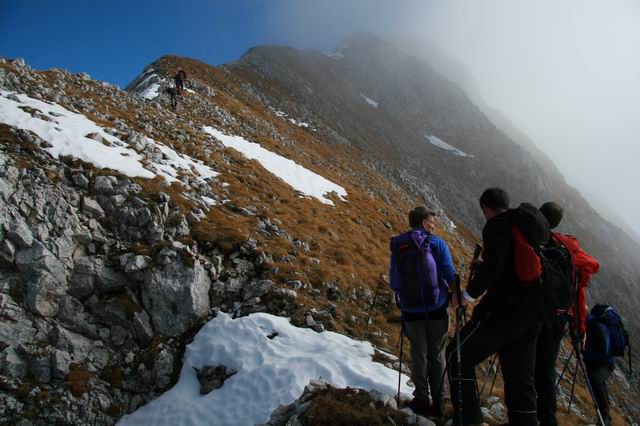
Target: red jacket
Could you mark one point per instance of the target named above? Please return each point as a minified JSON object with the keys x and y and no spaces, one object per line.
{"x":585,"y":266}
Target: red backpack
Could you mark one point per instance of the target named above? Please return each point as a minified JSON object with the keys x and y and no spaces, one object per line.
{"x":530,"y":232}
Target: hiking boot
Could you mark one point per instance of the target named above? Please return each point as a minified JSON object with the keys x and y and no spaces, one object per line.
{"x":420,"y":406}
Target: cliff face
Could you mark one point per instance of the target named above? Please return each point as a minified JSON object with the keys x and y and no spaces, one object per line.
{"x":273,"y":187}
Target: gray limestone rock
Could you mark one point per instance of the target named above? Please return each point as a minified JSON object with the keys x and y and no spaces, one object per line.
{"x":212,"y":377}
{"x":75,"y":344}
{"x":45,"y":278}
{"x":163,"y":369}
{"x":20,"y":234}
{"x":91,"y":208}
{"x":108,"y":280}
{"x":137,"y":263}
{"x":81,"y":286}
{"x":16,"y":327}
{"x":60,"y":362}
{"x":118,"y":335}
{"x":256,"y":289}
{"x":176,"y":296}
{"x":103,"y":185}
{"x":80,"y":180}
{"x":142,"y":328}
{"x":12,"y":364}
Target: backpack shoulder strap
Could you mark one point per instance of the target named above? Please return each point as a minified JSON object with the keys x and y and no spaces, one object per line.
{"x":421,"y":239}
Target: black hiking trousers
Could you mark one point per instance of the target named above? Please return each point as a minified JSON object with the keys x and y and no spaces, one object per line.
{"x":598,"y":373}
{"x":514,"y":339}
{"x":547,"y":350}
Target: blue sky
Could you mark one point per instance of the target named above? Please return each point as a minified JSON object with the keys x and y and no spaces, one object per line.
{"x":113,"y":40}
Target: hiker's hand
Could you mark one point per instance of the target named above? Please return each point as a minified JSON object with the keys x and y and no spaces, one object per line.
{"x":475,"y":263}
{"x":583,"y":341}
{"x":455,"y":303}
{"x":454,"y":300}
{"x":383,"y":279}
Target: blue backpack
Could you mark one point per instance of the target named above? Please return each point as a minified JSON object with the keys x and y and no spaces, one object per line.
{"x":414,"y":273}
{"x":606,"y":335}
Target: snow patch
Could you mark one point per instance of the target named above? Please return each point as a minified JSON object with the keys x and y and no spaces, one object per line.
{"x":149,"y":87}
{"x":369,"y":100}
{"x":151,"y":92}
{"x":442,"y":144}
{"x":72,"y":134}
{"x":291,"y":120}
{"x":301,"y":179}
{"x":299,"y":123}
{"x":271,"y":372}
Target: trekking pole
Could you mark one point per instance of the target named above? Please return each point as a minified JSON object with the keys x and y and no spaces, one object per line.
{"x":495,"y":376}
{"x":629,"y":344}
{"x":580,"y":364}
{"x":573,"y":386}
{"x":456,"y":287}
{"x":486,"y":376}
{"x":400,"y":364}
{"x":459,"y":311}
{"x":373,"y":303}
{"x":564,"y":369}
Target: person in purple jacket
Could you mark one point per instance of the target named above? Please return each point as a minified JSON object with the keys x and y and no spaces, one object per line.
{"x":420,"y":273}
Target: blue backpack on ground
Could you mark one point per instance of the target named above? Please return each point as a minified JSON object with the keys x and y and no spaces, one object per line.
{"x":606,"y":335}
{"x":414,"y":274}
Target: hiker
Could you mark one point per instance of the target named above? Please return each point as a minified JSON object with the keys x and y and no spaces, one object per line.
{"x":606,"y":339}
{"x":180,"y":80}
{"x":506,"y":320}
{"x":173,"y":95}
{"x":420,"y":274}
{"x":552,"y":332}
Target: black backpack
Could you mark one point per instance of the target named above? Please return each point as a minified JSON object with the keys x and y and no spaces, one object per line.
{"x":558,"y":285}
{"x":546,"y":260}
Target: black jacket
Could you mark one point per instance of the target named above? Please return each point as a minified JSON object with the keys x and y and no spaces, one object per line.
{"x":495,"y":277}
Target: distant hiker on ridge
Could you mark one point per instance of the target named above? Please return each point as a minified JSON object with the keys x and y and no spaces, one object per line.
{"x":420,"y":274}
{"x":180,"y":80}
{"x":173,"y":95}
{"x":505,"y":321}
{"x":552,"y":332}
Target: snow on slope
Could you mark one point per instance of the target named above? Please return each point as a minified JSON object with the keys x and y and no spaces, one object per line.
{"x":301,"y":179}
{"x":149,"y":86}
{"x":271,"y":372}
{"x":67,"y":132}
{"x":369,"y":100}
{"x":442,"y":144}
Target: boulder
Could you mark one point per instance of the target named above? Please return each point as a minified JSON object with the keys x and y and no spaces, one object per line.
{"x":12,"y":364}
{"x":18,"y":329}
{"x":142,"y":328}
{"x":256,"y":289}
{"x":212,"y":377}
{"x":176,"y":296}
{"x":91,"y":208}
{"x":20,"y":234}
{"x":45,"y":278}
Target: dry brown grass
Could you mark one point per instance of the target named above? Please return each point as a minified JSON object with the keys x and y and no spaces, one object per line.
{"x":78,"y":380}
{"x":336,"y":407}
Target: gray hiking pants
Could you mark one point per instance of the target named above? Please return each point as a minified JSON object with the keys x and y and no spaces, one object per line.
{"x":428,"y":342}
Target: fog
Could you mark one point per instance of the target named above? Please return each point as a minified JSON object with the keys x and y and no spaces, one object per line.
{"x":567,"y":73}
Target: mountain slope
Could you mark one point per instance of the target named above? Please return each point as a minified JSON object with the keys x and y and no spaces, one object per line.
{"x":126,"y":226}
